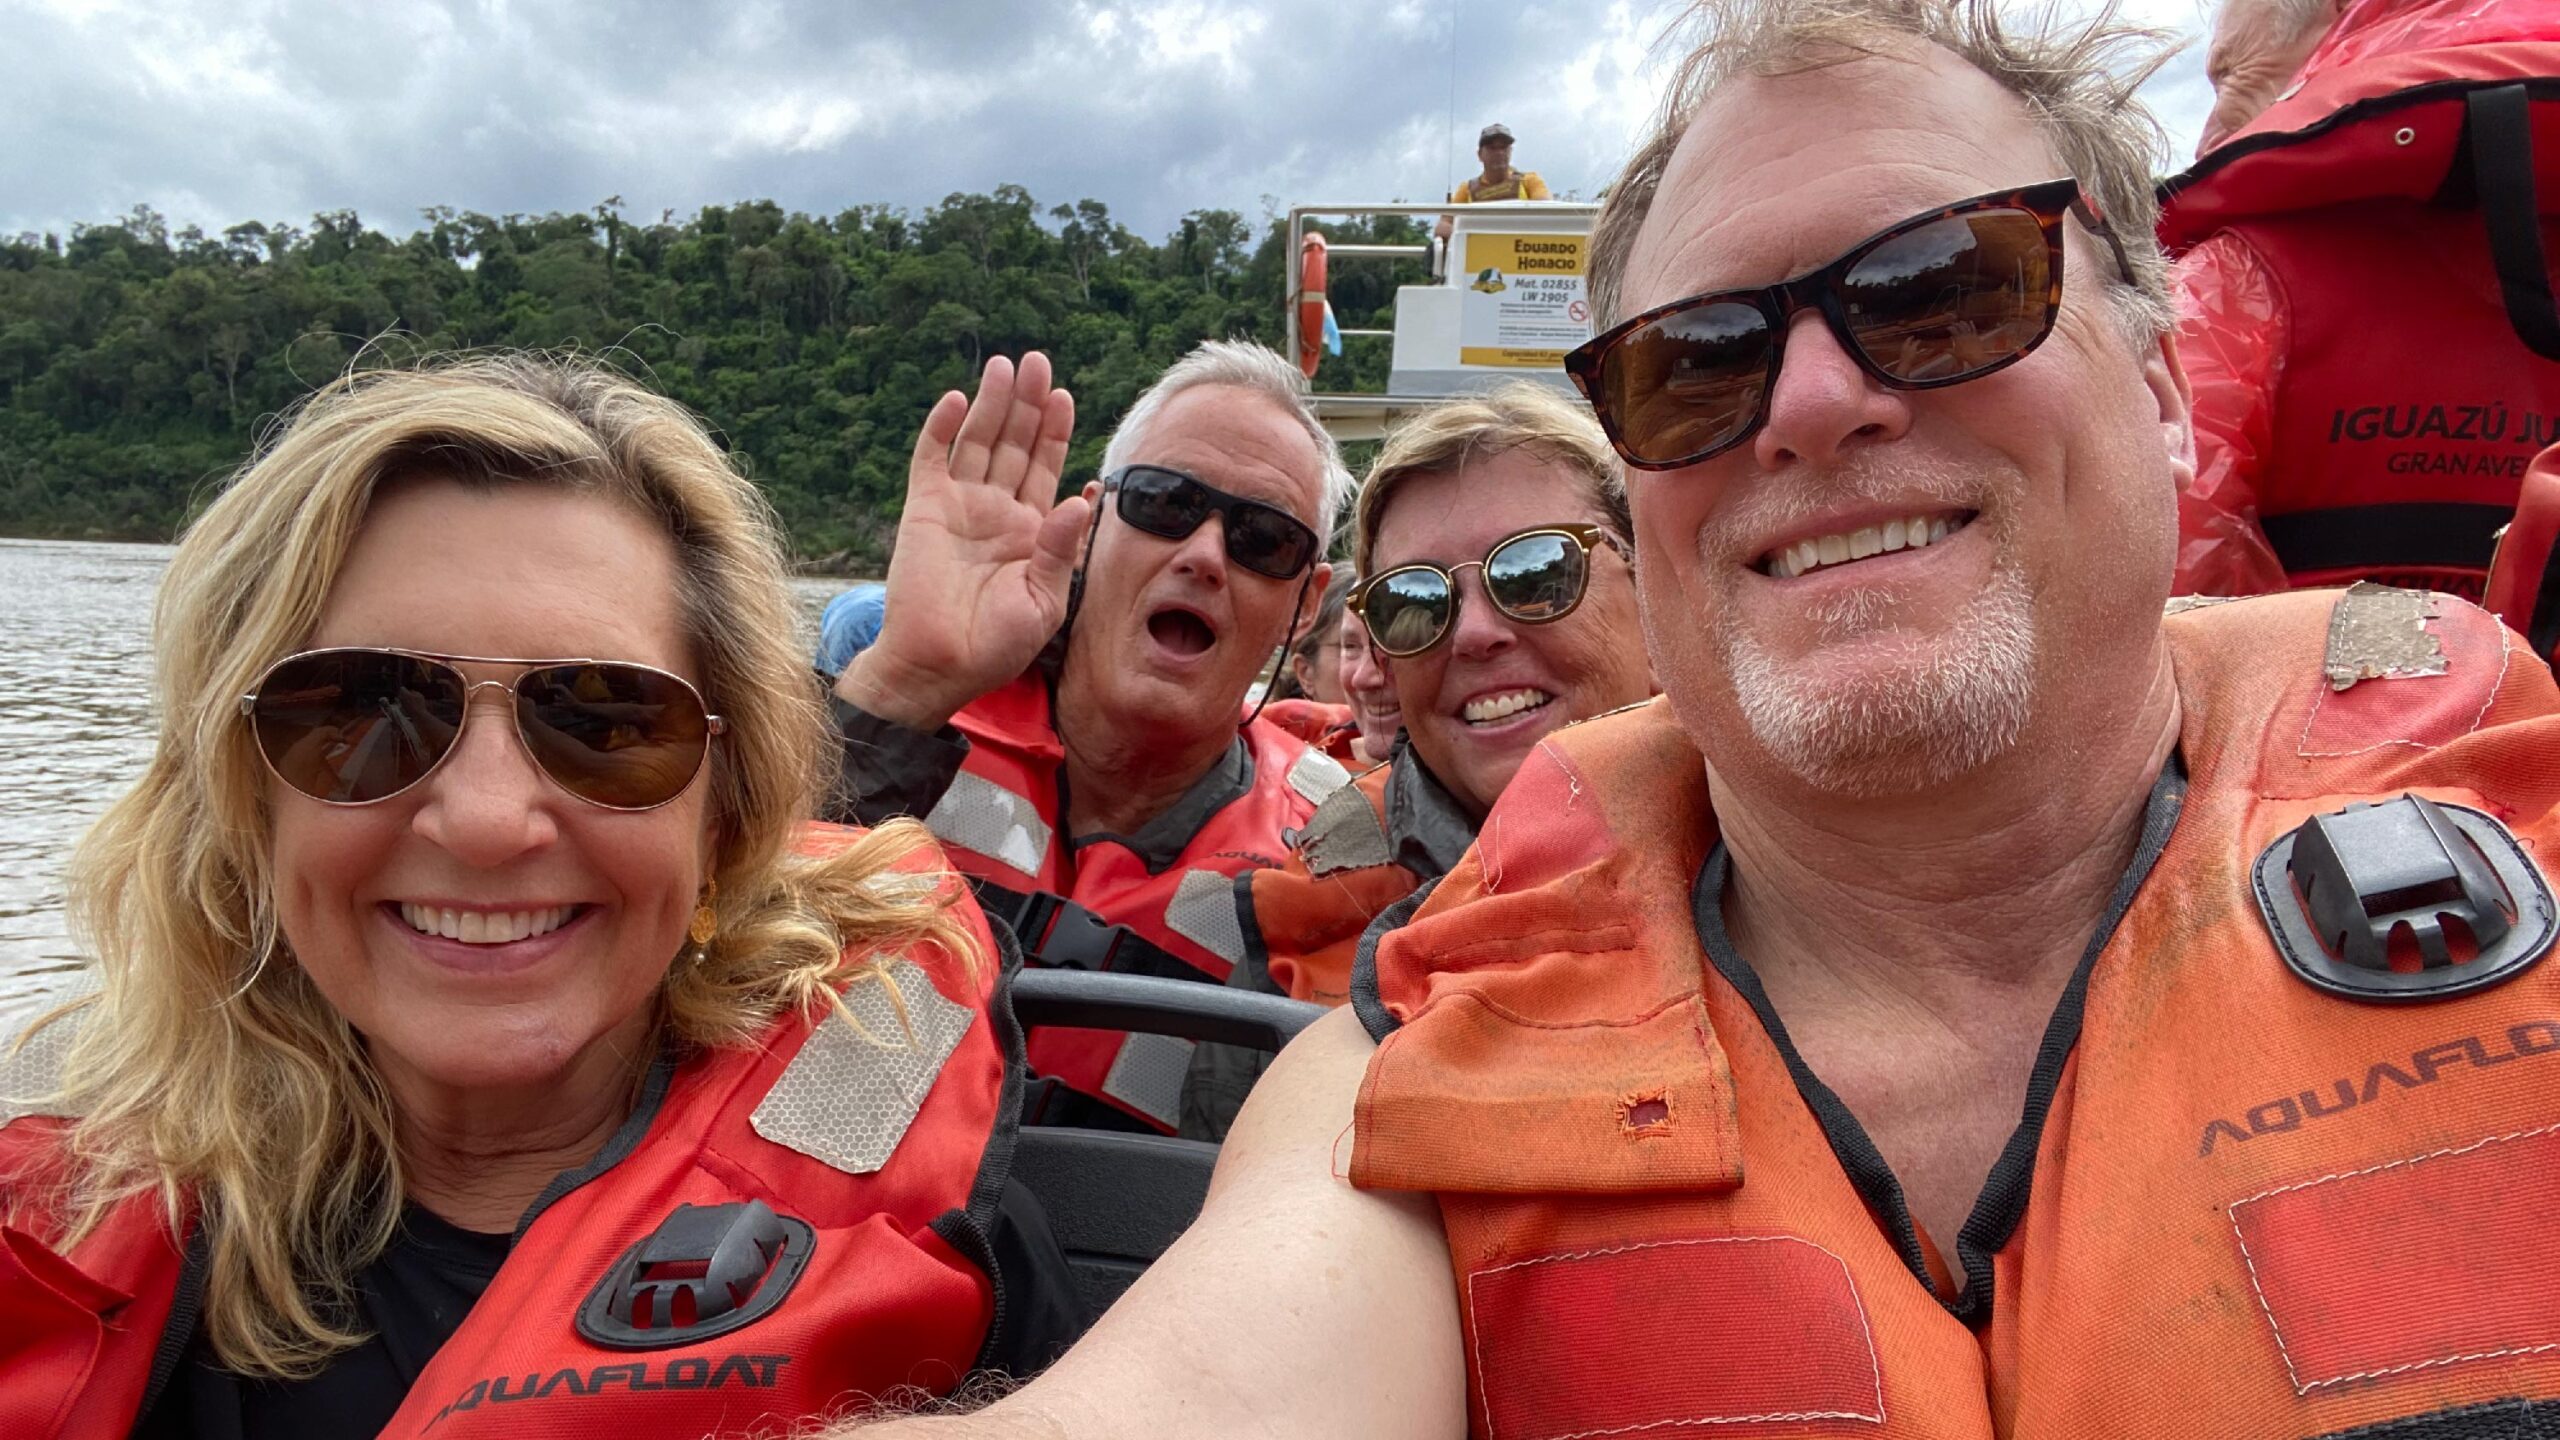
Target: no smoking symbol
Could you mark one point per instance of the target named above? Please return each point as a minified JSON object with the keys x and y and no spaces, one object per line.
{"x":1577,"y":312}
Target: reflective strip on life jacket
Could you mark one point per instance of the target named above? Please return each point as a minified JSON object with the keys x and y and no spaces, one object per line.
{"x":1097,"y":904}
{"x":980,"y":815}
{"x":1145,"y":1073}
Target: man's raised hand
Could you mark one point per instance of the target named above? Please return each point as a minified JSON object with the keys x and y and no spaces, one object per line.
{"x":985,"y":550}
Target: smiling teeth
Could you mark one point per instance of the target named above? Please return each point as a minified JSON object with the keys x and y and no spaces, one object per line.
{"x":480,"y":927}
{"x":1502,"y":707}
{"x":1910,"y":534}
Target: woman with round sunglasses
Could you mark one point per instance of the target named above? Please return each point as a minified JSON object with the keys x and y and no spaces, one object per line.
{"x":1493,"y":535}
{"x":481,"y":1037}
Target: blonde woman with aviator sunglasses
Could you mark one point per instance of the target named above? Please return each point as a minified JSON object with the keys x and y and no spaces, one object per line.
{"x":480,"y":1037}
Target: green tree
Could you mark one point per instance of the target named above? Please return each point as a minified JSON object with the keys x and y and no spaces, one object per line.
{"x":137,"y":365}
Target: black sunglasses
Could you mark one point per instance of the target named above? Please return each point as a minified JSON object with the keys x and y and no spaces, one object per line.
{"x":1170,"y":504}
{"x":1941,"y":298}
{"x":355,"y":726}
{"x":1536,"y":577}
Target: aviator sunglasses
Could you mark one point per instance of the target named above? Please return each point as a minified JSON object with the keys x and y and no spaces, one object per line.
{"x":1536,"y":577}
{"x":1170,"y":505}
{"x":1939,"y":299}
{"x":354,"y":726}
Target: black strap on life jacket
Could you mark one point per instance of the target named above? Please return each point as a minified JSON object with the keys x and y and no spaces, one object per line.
{"x":2500,"y":138}
{"x":2413,"y":535}
{"x":1063,"y":935}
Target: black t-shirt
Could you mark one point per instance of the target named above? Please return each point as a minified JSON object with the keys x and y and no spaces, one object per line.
{"x":411,"y":1301}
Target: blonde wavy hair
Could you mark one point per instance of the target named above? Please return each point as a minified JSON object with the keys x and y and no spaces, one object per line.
{"x":1518,"y":415}
{"x":2077,"y":76}
{"x":207,"y":1068}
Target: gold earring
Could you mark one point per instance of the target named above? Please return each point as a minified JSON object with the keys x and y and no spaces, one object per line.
{"x":706,"y":921}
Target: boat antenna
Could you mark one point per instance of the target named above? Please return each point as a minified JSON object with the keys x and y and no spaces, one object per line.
{"x":1449,"y":136}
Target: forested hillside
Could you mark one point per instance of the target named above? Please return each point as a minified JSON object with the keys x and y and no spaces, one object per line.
{"x":137,"y":364}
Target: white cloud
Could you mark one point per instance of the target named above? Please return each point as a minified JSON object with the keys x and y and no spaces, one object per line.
{"x":1186,"y":33}
{"x":219,"y":111}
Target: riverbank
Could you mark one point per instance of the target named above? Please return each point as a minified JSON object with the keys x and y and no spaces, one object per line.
{"x":844,"y":565}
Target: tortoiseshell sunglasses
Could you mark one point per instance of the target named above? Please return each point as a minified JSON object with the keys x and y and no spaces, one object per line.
{"x":1938,"y":299}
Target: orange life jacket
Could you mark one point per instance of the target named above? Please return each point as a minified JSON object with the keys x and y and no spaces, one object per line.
{"x":1307,"y":912}
{"x":2239,"y":1206}
{"x":1370,"y":845}
{"x":1077,"y":903}
{"x":879,"y":1160}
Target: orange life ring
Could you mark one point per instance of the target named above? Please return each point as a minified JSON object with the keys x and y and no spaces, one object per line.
{"x":1311,"y":302}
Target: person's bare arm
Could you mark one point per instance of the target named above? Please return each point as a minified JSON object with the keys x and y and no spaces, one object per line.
{"x":1296,"y":1306}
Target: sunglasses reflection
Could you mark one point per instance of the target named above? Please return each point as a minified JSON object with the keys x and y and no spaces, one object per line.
{"x":614,"y":753}
{"x":334,"y":746}
{"x":1414,"y":623}
{"x":366,"y":732}
{"x":1534,"y":577}
{"x":1935,"y":301}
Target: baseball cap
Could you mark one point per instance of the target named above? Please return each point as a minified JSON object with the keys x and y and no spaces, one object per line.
{"x":1493,"y":132}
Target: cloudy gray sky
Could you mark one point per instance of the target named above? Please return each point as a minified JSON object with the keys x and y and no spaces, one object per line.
{"x":219,"y":111}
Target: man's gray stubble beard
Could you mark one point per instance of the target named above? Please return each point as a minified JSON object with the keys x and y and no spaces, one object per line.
{"x":1963,"y":706}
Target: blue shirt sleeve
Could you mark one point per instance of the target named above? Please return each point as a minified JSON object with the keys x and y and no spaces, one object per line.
{"x":849,"y":626}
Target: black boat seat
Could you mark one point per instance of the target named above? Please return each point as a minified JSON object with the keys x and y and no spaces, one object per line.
{"x":1117,"y":1200}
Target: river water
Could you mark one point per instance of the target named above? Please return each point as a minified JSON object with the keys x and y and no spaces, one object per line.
{"x":75,"y":727}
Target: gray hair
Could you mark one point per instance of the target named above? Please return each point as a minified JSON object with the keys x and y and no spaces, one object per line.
{"x":2077,"y":79}
{"x":1246,"y":366}
{"x":2293,"y":18}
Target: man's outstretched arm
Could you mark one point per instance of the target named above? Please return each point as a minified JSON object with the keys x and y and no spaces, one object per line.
{"x":1296,"y":1306}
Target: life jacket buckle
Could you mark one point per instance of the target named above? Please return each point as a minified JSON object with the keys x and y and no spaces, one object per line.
{"x":2406,"y":899}
{"x":705,"y":1271}
{"x":1056,"y":931}
{"x":1078,"y":939}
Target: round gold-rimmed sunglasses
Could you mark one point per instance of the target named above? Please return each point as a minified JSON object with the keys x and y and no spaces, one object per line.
{"x":358,"y":725}
{"x":1536,"y":577}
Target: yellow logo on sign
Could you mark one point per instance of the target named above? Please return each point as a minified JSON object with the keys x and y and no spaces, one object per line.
{"x":1514,"y":254}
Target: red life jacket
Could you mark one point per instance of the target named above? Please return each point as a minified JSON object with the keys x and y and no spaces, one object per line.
{"x":2392,"y":195}
{"x":2239,"y":1205}
{"x":2524,"y":578}
{"x":1329,"y":728}
{"x":876,"y":1162}
{"x":1096,"y":903}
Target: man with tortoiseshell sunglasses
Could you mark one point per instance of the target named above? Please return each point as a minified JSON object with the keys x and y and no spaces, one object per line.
{"x":1102,"y":797}
{"x":1971,"y":1003}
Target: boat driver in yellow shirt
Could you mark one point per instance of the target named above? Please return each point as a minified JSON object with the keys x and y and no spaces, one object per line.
{"x":1499,"y":181}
